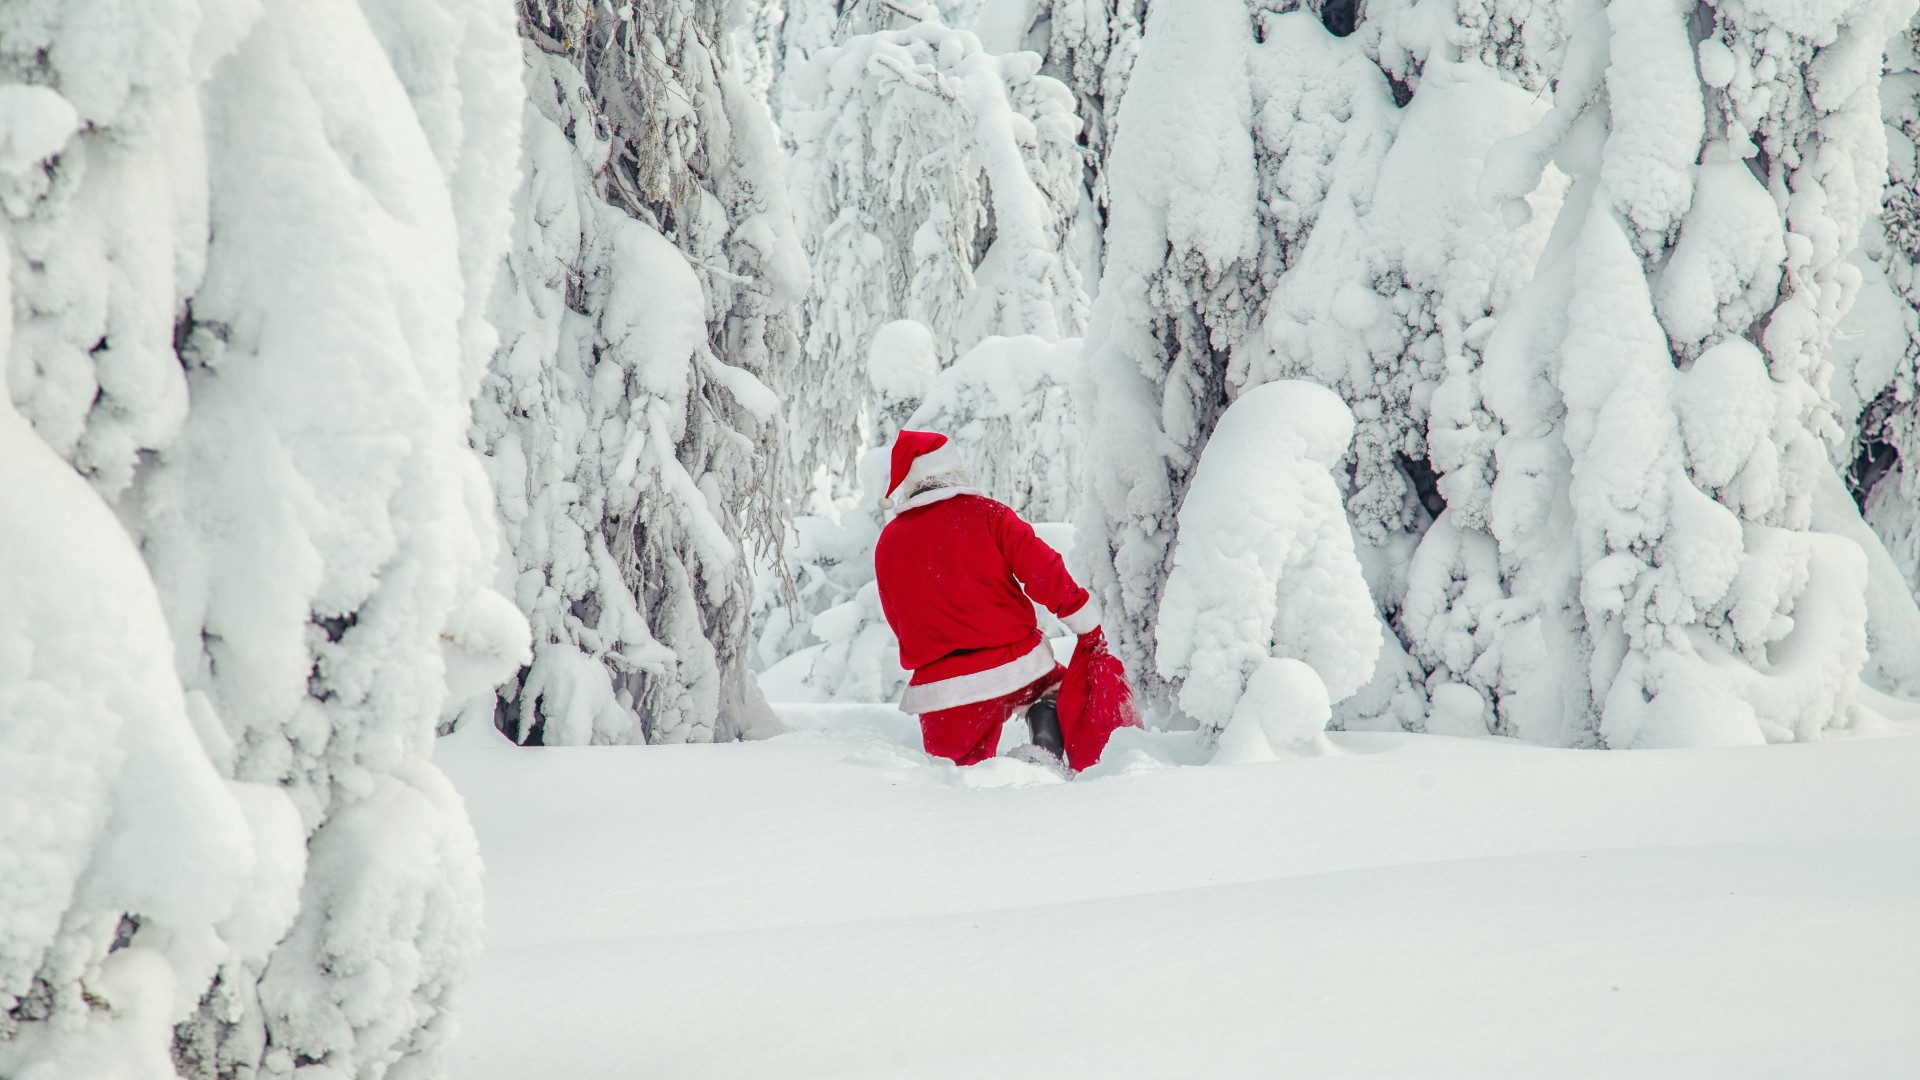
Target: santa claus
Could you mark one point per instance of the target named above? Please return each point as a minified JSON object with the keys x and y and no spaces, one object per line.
{"x":955,"y":571}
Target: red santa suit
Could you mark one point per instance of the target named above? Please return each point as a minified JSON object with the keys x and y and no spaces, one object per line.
{"x":955,"y":571}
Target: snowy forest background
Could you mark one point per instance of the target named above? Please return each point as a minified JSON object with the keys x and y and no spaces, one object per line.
{"x":378,"y":367}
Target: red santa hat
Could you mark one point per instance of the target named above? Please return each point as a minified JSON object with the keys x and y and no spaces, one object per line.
{"x":916,"y":456}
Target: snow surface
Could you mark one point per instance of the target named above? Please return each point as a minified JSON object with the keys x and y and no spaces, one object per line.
{"x":828,"y":903}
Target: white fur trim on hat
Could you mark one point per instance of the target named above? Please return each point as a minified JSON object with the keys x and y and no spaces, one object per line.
{"x":979,"y":686}
{"x":943,"y":458}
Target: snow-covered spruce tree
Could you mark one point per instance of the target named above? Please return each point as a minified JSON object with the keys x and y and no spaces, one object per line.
{"x":1661,"y":386}
{"x":626,"y":418}
{"x":107,"y":240}
{"x":776,"y":36}
{"x":276,"y":213}
{"x":1876,"y":392}
{"x":1522,"y":40}
{"x":129,"y":869}
{"x":1312,"y":231}
{"x":933,"y":181}
{"x":1089,"y":45}
{"x":1179,"y":288}
{"x":1878,"y":358}
{"x":821,"y":635}
{"x":1394,"y":272}
{"x":321,"y":534}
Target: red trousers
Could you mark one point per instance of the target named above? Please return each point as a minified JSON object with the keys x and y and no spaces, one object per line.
{"x":966,"y":734}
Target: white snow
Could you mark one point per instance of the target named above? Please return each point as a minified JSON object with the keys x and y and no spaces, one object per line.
{"x":35,"y":123}
{"x":1502,"y":370}
{"x":1264,"y":565}
{"x":1456,"y":709}
{"x":829,"y":904}
{"x":1284,"y":709}
{"x":902,"y":362}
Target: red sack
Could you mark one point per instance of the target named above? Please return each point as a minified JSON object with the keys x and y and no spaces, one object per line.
{"x":1094,"y":700}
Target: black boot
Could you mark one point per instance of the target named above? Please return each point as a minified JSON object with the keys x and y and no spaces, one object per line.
{"x":1043,"y":717}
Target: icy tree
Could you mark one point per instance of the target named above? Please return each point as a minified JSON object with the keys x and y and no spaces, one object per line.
{"x":1089,"y":45}
{"x":933,"y":181}
{"x":1179,"y":286}
{"x":1008,"y":405}
{"x":1660,"y":389}
{"x":820,"y":633}
{"x":108,"y":241}
{"x":1521,"y":40}
{"x":320,"y":532}
{"x":1264,"y":563}
{"x":129,"y":869}
{"x":1393,"y":272}
{"x":903,"y":364}
{"x":1876,"y":392}
{"x":248,"y":284}
{"x":1299,"y":225}
{"x":626,"y":418}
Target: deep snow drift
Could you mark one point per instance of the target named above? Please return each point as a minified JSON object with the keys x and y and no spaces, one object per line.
{"x":828,"y":903}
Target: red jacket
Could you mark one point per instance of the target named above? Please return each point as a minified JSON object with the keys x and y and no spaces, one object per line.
{"x":955,"y":570}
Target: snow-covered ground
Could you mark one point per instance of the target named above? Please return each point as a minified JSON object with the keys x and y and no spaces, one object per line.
{"x":828,"y":903}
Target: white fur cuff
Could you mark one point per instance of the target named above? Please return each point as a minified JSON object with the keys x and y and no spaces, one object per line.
{"x":1083,"y":619}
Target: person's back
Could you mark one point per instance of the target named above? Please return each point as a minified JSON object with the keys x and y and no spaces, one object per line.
{"x":955,"y":570}
{"x":959,"y":566}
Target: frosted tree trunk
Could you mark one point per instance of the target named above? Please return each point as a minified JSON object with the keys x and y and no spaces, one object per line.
{"x":626,"y":419}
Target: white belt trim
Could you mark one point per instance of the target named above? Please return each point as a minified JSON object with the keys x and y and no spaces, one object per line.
{"x":980,"y":685}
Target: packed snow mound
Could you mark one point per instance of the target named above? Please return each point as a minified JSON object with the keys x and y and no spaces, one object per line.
{"x":1264,"y":563}
{"x":1456,"y":709}
{"x":35,"y":122}
{"x":903,"y":361}
{"x":1284,"y":710}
